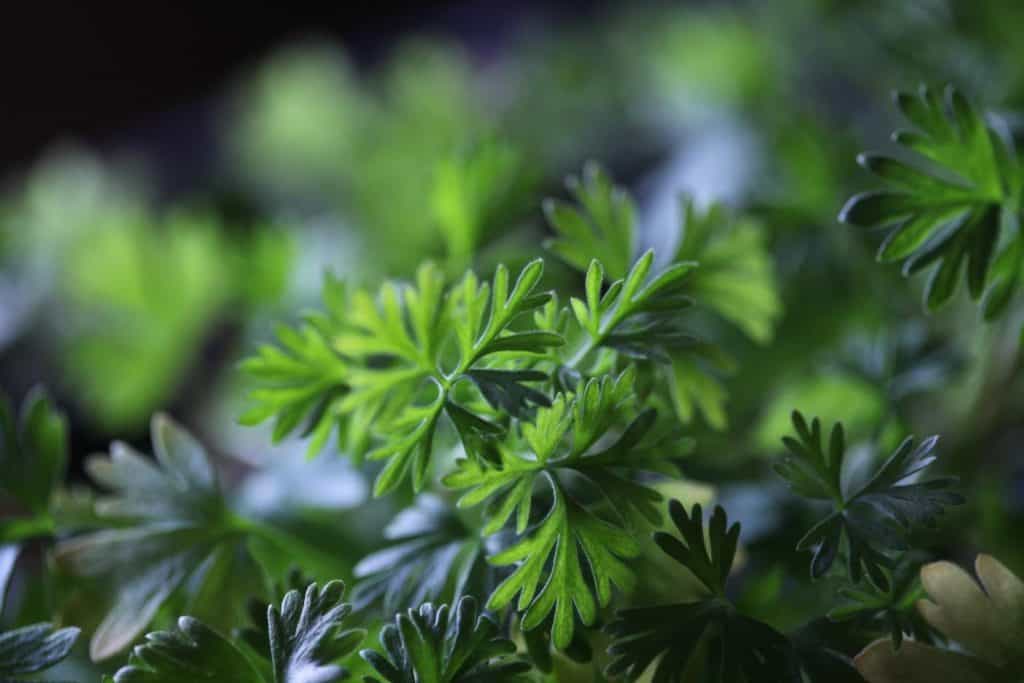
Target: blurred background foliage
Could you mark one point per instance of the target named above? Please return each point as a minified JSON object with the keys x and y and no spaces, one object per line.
{"x":124,"y":296}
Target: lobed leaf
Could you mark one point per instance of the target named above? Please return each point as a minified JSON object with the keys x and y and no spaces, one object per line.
{"x":433,"y":645}
{"x":876,"y":519}
{"x":944,"y":205}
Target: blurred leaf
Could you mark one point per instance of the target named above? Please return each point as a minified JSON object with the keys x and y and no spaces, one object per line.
{"x":33,"y":451}
{"x":694,"y":387}
{"x":602,"y":229}
{"x":33,"y":648}
{"x":907,"y":360}
{"x":176,"y":519}
{"x":736,"y":277}
{"x":893,"y":609}
{"x":831,"y":396}
{"x":434,"y":557}
{"x":467,"y":188}
{"x":143,"y":296}
{"x":378,"y":148}
{"x":296,"y":124}
{"x":819,"y":658}
{"x":8,"y":558}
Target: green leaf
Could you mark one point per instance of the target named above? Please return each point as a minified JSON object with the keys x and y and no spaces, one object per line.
{"x":434,"y":558}
{"x":380,"y":367}
{"x":640,"y":320}
{"x":603,"y":228}
{"x":736,"y":277}
{"x":304,"y":378}
{"x":708,"y":637}
{"x":876,"y":519}
{"x":944,"y":205}
{"x":166,"y":519}
{"x":893,"y":609}
{"x":304,"y":640}
{"x":467,"y":188}
{"x":33,"y":451}
{"x":712,"y":563}
{"x":478,"y":336}
{"x":306,"y":636}
{"x":589,"y":449}
{"x":30,"y":649}
{"x":256,"y":634}
{"x":432,"y":645}
{"x":505,"y":389}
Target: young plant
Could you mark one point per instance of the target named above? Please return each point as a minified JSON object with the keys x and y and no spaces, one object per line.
{"x":540,"y":432}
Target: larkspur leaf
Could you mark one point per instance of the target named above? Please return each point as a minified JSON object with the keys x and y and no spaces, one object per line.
{"x":876,"y":518}
{"x":435,"y":645}
{"x":944,"y":205}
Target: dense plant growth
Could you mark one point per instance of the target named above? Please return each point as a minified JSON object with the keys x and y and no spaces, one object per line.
{"x":545,"y":430}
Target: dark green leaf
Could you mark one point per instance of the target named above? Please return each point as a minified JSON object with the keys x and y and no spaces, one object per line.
{"x":379,"y":368}
{"x":709,"y":563}
{"x":707,"y":637}
{"x":876,"y":519}
{"x":33,"y":450}
{"x":432,"y":645}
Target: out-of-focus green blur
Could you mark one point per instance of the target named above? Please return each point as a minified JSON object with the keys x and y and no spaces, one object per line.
{"x":124,"y":299}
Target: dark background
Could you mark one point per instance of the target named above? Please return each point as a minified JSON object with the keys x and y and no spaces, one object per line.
{"x":146,"y":70}
{"x":146,"y":77}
